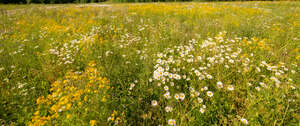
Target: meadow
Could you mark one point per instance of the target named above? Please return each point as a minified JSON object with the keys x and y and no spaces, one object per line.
{"x":190,"y":63}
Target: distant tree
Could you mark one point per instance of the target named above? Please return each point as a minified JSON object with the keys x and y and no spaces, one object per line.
{"x":28,"y":1}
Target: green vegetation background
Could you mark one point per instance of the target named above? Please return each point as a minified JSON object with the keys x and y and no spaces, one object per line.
{"x":95,"y":1}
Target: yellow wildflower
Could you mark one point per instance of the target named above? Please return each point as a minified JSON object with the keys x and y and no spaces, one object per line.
{"x":68,"y":116}
{"x":298,"y":57}
{"x":92,"y":64}
{"x":92,"y":122}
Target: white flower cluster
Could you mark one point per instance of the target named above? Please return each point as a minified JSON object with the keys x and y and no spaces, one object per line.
{"x":207,"y":67}
{"x":66,"y":53}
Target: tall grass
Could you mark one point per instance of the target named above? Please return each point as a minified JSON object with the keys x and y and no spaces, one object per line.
{"x":150,"y":0}
{"x":230,"y":63}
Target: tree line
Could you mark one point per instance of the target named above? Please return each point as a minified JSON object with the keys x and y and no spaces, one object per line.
{"x":94,"y":1}
{"x":49,"y":1}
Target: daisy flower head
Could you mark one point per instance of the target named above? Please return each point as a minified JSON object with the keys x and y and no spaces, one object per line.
{"x":154,"y":103}
{"x":209,"y":93}
{"x":230,"y":87}
{"x":192,"y":95}
{"x":175,"y":76}
{"x":167,"y":95}
{"x":172,"y":122}
{"x":172,"y":84}
{"x":166,"y":88}
{"x":160,"y":73}
{"x":197,"y":73}
{"x":244,"y":121}
{"x":158,"y":84}
{"x":192,"y":89}
{"x":202,"y":110}
{"x":178,"y":77}
{"x":166,"y":73}
{"x":181,"y":96}
{"x":200,"y":100}
{"x":197,"y":93}
{"x":258,"y":69}
{"x":176,"y":96}
{"x":168,"y":109}
{"x":226,"y":66}
{"x":132,"y":85}
{"x":293,"y":87}
{"x":219,"y":84}
{"x":249,"y":84}
{"x":262,"y":84}
{"x":257,"y":88}
{"x":158,"y":61}
{"x":170,"y":76}
{"x":209,"y":76}
{"x":293,"y":71}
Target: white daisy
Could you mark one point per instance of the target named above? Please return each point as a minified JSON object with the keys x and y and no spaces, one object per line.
{"x":168,"y":109}
{"x":209,"y":76}
{"x":167,"y":95}
{"x":200,"y":100}
{"x":166,"y":88}
{"x":158,"y":84}
{"x":181,"y":96}
{"x":202,"y":110}
{"x":244,"y":121}
{"x":154,"y":103}
{"x":219,"y":84}
{"x":172,"y":84}
{"x":257,"y":88}
{"x":172,"y":122}
{"x":176,"y":96}
{"x":209,"y":93}
{"x":230,"y":87}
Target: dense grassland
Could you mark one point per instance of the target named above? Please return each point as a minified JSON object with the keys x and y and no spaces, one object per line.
{"x":225,"y":63}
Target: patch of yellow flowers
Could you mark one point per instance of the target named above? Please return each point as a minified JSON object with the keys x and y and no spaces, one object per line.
{"x":71,"y":97}
{"x":191,"y":9}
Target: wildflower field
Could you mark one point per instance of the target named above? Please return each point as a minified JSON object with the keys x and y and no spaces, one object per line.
{"x":191,"y":63}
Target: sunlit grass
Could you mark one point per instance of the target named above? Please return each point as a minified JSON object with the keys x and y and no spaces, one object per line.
{"x":225,"y":63}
